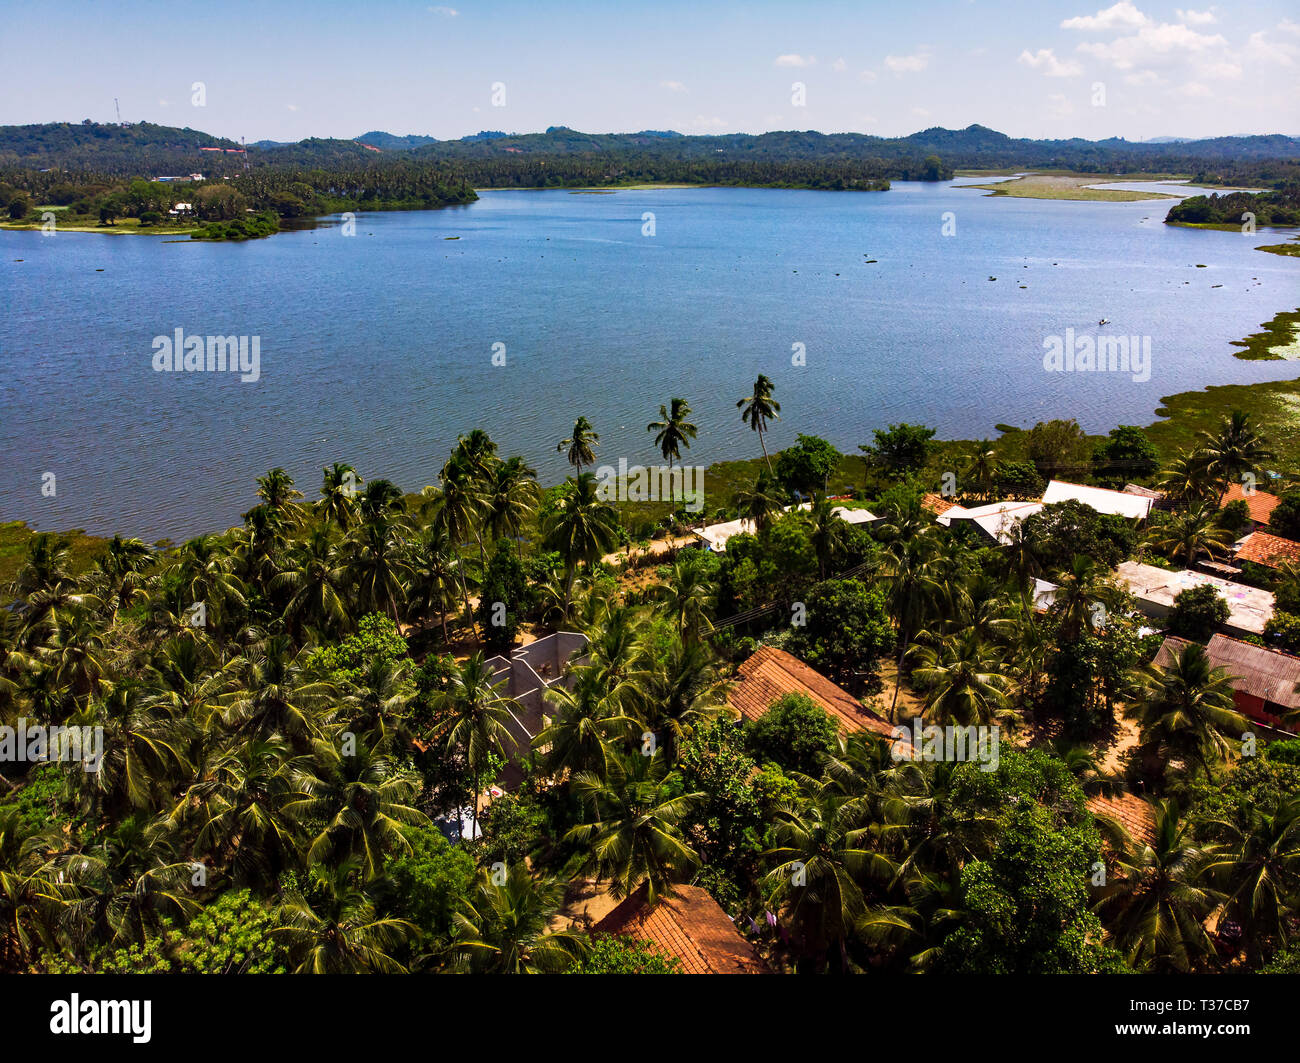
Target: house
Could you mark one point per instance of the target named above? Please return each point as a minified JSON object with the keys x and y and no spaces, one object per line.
{"x":689,"y":925}
{"x":1143,"y":492}
{"x":1249,"y":608}
{"x":182,"y":208}
{"x":715,"y":536}
{"x":937,"y":505}
{"x":1271,"y":551}
{"x":528,"y":673}
{"x":771,"y":673}
{"x":1263,"y":680}
{"x":1259,"y":504}
{"x":997,"y":520}
{"x":1119,"y":503}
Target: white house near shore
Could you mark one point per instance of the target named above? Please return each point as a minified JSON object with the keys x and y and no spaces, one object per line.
{"x":1119,"y":503}
{"x":715,"y":536}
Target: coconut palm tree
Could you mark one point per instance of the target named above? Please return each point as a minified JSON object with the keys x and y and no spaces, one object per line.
{"x":581,"y":445}
{"x":277,"y":695}
{"x":588,"y":724}
{"x":25,"y":850}
{"x":1189,"y":478}
{"x":828,"y":531}
{"x":1187,"y":535}
{"x":277,"y":493}
{"x":475,"y":724}
{"x":1085,"y":594}
{"x":908,"y":569}
{"x":1257,"y":867}
{"x":760,"y":502}
{"x":337,"y":931}
{"x":316,"y":581}
{"x":1235,"y":450}
{"x":510,"y":497}
{"x":380,"y":498}
{"x":964,"y":680}
{"x":758,"y":409}
{"x":122,"y":562}
{"x":819,"y":862}
{"x":338,"y":501}
{"x":687,"y":597}
{"x":376,"y":565}
{"x":580,"y":528}
{"x":1187,"y":708}
{"x":632,"y":829}
{"x":1156,"y":907}
{"x":675,"y":431}
{"x":981,"y":468}
{"x":436,"y":575}
{"x":504,"y":926}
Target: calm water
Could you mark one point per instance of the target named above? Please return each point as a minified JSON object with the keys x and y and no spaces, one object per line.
{"x":377,"y":349}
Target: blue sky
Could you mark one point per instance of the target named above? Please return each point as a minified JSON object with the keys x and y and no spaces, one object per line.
{"x":286,"y":70}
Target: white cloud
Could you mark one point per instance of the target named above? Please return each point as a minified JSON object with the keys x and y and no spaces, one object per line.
{"x":1197,"y":18}
{"x":1287,"y":26}
{"x":1196,"y":91}
{"x":702,"y":122}
{"x":907,"y":64}
{"x":1260,"y":48}
{"x":292,"y":106}
{"x":868,"y":76}
{"x":1059,"y":106}
{"x":1045,"y":60}
{"x":839,"y":65}
{"x":447,"y":12}
{"x":1154,"y":44}
{"x":1120,"y":16}
{"x":672,"y":86}
{"x":920,"y":112}
{"x":796,"y":60}
{"x":1143,"y":77}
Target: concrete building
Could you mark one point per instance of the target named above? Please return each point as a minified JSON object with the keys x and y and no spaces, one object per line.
{"x":1249,"y":608}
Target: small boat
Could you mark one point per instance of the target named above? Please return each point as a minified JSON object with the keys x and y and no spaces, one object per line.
{"x":1104,"y":321}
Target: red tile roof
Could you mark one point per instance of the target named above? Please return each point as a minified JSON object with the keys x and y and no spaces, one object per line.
{"x":771,"y":673}
{"x":1130,"y":812}
{"x":937,"y":504}
{"x":1259,"y":503}
{"x":1270,"y":675}
{"x":1265,"y":549}
{"x":690,"y":925}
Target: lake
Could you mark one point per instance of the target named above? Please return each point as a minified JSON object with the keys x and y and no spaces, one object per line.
{"x":377,"y":348}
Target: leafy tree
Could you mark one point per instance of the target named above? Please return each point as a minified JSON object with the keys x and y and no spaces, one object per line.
{"x":428,"y":885}
{"x":1018,"y":479}
{"x":504,"y":585}
{"x":1127,"y":454}
{"x":900,"y":449}
{"x":376,"y":641}
{"x":806,"y":467}
{"x":1285,"y":518}
{"x":847,"y":629}
{"x":1198,"y":612}
{"x":1059,"y":448}
{"x":795,"y":733}
{"x":1062,"y":530}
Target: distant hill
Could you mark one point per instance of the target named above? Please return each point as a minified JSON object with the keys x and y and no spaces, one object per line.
{"x":389,"y":142}
{"x":493,"y":155}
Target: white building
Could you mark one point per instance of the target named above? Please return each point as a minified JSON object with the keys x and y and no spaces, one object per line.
{"x":1119,"y":503}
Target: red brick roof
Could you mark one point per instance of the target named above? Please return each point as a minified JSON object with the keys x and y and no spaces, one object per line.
{"x":937,"y":504}
{"x":690,"y":925}
{"x":1265,"y":549}
{"x":1130,"y":811}
{"x":771,"y":673}
{"x":1259,"y":503}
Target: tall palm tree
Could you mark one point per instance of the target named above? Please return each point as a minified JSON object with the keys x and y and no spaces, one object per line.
{"x":337,"y":931}
{"x":760,"y":502}
{"x":1157,"y":906}
{"x":675,"y":431}
{"x":964,"y":681}
{"x":907,"y":568}
{"x":587,"y":725}
{"x":581,"y":445}
{"x":380,"y":498}
{"x":377,"y":566}
{"x":316,"y":581}
{"x":1187,"y":708}
{"x":580,"y":528}
{"x":504,"y":926}
{"x":981,"y":468}
{"x":277,"y":493}
{"x":1257,"y":866}
{"x":25,"y":850}
{"x":687,"y":597}
{"x":436,"y":575}
{"x":1187,"y":535}
{"x":1189,"y":478}
{"x":1081,"y":588}
{"x":759,"y":408}
{"x":509,"y":498}
{"x":1236,"y":449}
{"x":828,"y":531}
{"x":632,"y":831}
{"x":459,"y":506}
{"x":476,"y":722}
{"x":122,"y":562}
{"x":338,"y":501}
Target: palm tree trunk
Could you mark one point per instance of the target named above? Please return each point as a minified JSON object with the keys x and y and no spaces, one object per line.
{"x":898,"y":676}
{"x":763,"y":444}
